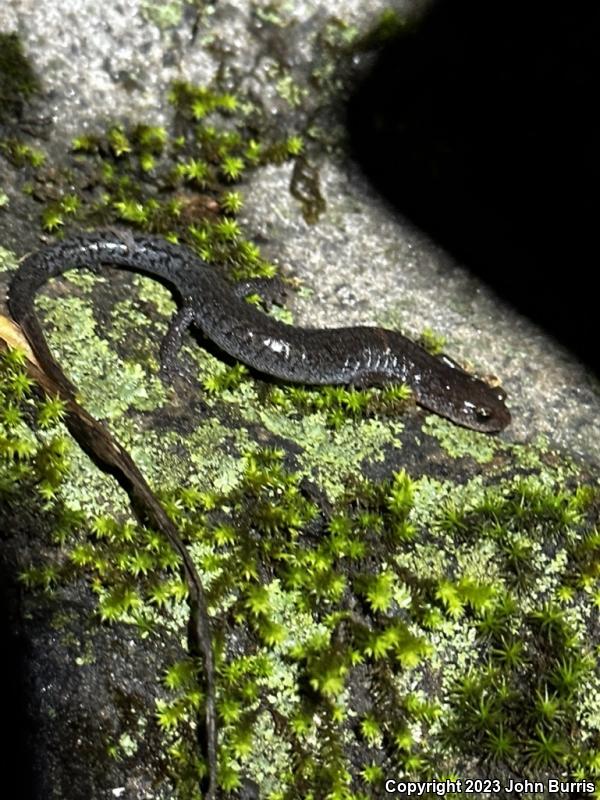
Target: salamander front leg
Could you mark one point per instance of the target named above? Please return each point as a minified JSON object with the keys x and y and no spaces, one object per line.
{"x":171,"y":343}
{"x":271,"y":290}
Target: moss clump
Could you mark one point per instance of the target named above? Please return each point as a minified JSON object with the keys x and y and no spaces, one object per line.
{"x":340,"y":404}
{"x":178,"y":185}
{"x":178,"y":181}
{"x":38,"y":458}
{"x":21,"y":154}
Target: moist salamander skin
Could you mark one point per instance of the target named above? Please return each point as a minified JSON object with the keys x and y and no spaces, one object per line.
{"x":360,"y":356}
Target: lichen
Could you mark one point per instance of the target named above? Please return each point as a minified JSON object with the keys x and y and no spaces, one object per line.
{"x":331,"y":456}
{"x":163,"y":15}
{"x":459,"y":442}
{"x":8,"y":260}
{"x":109,"y":385}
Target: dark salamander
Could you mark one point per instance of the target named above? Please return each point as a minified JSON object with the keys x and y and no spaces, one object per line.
{"x":357,"y":356}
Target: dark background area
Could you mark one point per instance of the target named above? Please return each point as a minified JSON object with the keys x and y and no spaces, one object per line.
{"x":480,"y":125}
{"x":18,"y":737}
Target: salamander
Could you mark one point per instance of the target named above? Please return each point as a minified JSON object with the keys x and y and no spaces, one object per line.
{"x":357,"y":356}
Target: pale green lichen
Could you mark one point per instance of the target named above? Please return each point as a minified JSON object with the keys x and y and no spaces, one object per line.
{"x":289,"y":91}
{"x":151,"y":291}
{"x":270,"y":762}
{"x":277,"y":14}
{"x":84,"y":279}
{"x":331,"y":456}
{"x":163,"y":15}
{"x":127,"y":745}
{"x":87,"y":488}
{"x":531,"y":456}
{"x":460,"y":442}
{"x":210,"y":452}
{"x":8,"y":260}
{"x":108,"y":384}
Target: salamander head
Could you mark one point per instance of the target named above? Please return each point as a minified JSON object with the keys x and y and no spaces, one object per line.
{"x":467,"y":401}
{"x":485,"y":410}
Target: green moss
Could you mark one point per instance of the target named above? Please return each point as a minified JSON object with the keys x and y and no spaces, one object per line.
{"x":21,"y":154}
{"x":432,"y":342}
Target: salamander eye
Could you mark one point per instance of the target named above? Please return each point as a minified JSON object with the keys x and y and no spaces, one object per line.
{"x":482,"y":412}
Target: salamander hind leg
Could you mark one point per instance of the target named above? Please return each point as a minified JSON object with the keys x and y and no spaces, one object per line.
{"x":171,"y":343}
